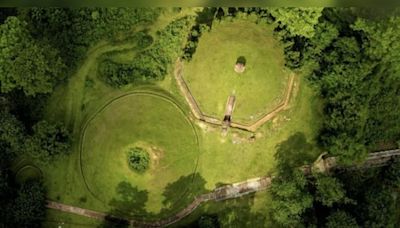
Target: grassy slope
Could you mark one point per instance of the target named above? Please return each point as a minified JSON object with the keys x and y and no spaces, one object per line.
{"x":62,"y":177}
{"x":67,"y":220}
{"x":212,"y":79}
{"x":241,"y":161}
{"x":138,"y":119}
{"x":221,"y":160}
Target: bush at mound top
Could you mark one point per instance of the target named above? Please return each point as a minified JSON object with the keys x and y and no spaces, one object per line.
{"x":138,"y":159}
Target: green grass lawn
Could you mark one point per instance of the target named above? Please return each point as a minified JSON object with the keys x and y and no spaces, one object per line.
{"x":67,"y":220}
{"x":211,"y":76}
{"x":151,"y":121}
{"x":234,"y":158}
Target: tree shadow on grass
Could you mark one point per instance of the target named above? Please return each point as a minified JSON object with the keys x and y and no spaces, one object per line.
{"x":295,"y":152}
{"x":113,"y":222}
{"x":182,"y":192}
{"x":238,"y":213}
{"x":230,"y":213}
{"x":130,"y":202}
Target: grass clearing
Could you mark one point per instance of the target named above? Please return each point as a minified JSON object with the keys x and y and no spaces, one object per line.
{"x":211,"y":76}
{"x":236,"y":158}
{"x":137,"y":119}
{"x":67,"y":220}
{"x":223,"y":159}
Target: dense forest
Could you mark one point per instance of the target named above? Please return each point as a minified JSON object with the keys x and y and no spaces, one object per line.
{"x":351,"y":55}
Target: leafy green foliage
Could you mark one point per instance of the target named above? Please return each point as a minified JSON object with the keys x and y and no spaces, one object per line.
{"x":21,"y":206}
{"x":290,"y":199}
{"x":340,"y":219}
{"x":11,"y":135}
{"x":378,"y":208}
{"x":374,"y":194}
{"x":48,"y":141}
{"x":29,"y":206}
{"x":354,"y":59}
{"x":329,"y":190}
{"x":298,"y":21}
{"x":208,"y":221}
{"x":138,"y":159}
{"x":392,"y":174}
{"x":26,"y":63}
{"x":73,"y":31}
{"x":152,"y":63}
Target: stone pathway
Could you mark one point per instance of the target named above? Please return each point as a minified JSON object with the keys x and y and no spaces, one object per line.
{"x":222,"y":193}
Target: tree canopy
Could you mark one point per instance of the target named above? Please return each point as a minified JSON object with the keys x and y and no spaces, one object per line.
{"x":48,"y":141}
{"x":152,"y":63}
{"x":26,"y":63}
{"x":297,"y":20}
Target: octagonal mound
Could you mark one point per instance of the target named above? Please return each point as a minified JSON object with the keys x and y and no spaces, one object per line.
{"x":149,"y":121}
{"x":211,"y":75}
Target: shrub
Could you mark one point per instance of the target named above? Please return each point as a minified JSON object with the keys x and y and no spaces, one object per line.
{"x":138,"y":159}
{"x":152,"y":63}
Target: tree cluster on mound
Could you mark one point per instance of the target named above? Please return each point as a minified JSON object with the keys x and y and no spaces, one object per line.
{"x":152,"y":63}
{"x":23,"y":204}
{"x":44,"y":142}
{"x":358,"y":198}
{"x":27,"y":63}
{"x":353,"y":56}
{"x":72,"y":31}
{"x":40,"y":46}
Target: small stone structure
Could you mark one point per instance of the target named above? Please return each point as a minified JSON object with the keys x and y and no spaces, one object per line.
{"x":325,"y":163}
{"x":230,"y":105}
{"x":239,"y":67}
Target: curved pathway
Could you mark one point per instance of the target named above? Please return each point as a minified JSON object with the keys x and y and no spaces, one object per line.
{"x":222,"y":193}
{"x":230,"y":191}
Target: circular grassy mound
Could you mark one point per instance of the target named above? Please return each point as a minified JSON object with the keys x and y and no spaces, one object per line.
{"x":211,"y":74}
{"x":158,"y":126}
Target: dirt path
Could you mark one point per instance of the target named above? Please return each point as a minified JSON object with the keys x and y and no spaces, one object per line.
{"x":226,"y":192}
{"x":196,"y":111}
